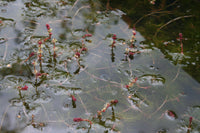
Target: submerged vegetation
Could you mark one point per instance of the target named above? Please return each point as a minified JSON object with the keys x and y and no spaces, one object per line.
{"x":99,"y":66}
{"x":161,"y":22}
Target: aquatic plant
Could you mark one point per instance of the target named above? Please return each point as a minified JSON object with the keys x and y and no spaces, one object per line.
{"x":80,"y":119}
{"x":23,"y":88}
{"x":181,"y":43}
{"x":75,"y":76}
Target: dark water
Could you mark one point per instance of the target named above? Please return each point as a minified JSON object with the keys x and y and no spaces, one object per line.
{"x":135,"y":77}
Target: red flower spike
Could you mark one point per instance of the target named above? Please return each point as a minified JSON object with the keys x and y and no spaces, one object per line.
{"x":170,"y":113}
{"x":39,"y":42}
{"x":131,"y":53}
{"x":134,"y":32}
{"x":31,"y":54}
{"x":84,"y":49}
{"x":114,"y":101}
{"x":136,"y":78}
{"x":190,"y":120}
{"x":73,"y":98}
{"x":48,"y":26}
{"x":87,"y":35}
{"x":77,"y":119}
{"x":127,"y":86}
{"x":46,"y":39}
{"x":114,"y":37}
{"x":77,"y":55}
{"x":24,"y":88}
{"x":38,"y":74}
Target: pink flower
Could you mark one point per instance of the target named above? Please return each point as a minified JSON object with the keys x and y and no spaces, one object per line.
{"x":87,"y":35}
{"x":38,"y":74}
{"x":180,"y":35}
{"x":39,"y":42}
{"x":73,"y":98}
{"x":171,"y":114}
{"x":77,"y":55}
{"x":31,"y":54}
{"x":134,"y":32}
{"x":84,"y":49}
{"x":190,"y":120}
{"x":114,"y":101}
{"x":77,"y":119}
{"x":48,"y":26}
{"x":114,"y":37}
{"x":127,"y":86}
{"x":24,"y":88}
{"x":136,"y":78}
{"x":131,"y":53}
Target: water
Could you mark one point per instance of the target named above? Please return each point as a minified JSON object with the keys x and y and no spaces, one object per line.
{"x":156,"y":86}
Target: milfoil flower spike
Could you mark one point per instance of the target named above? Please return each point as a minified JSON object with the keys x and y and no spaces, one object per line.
{"x":48,"y":26}
{"x":84,"y":49}
{"x":77,"y":55}
{"x":39,"y":42}
{"x":87,"y":35}
{"x":73,"y":98}
{"x":181,"y":43}
{"x":24,"y":88}
{"x":77,"y":119}
{"x":114,"y":101}
{"x":127,"y":86}
{"x":31,"y":54}
{"x":190,"y":122}
{"x":114,"y":37}
{"x":134,"y":32}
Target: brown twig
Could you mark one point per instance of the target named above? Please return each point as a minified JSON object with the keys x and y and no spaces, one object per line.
{"x":152,"y":13}
{"x":169,"y":22}
{"x":74,"y":5}
{"x":5,"y":52}
{"x":83,"y":104}
{"x":165,"y":101}
{"x":79,"y":10}
{"x":4,"y":115}
{"x":113,"y":82}
{"x":177,"y":74}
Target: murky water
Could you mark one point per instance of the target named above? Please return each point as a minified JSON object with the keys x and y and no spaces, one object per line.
{"x":100,"y":71}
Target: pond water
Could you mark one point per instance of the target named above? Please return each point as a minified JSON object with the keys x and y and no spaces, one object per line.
{"x":99,"y":66}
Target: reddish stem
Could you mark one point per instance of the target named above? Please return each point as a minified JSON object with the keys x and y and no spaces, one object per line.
{"x":80,"y":119}
{"x":181,"y":47}
{"x":190,"y":122}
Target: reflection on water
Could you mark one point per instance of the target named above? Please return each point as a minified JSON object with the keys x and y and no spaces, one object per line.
{"x":99,"y":70}
{"x":162,"y":24}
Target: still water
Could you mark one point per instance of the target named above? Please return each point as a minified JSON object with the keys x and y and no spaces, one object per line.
{"x":99,"y":66}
